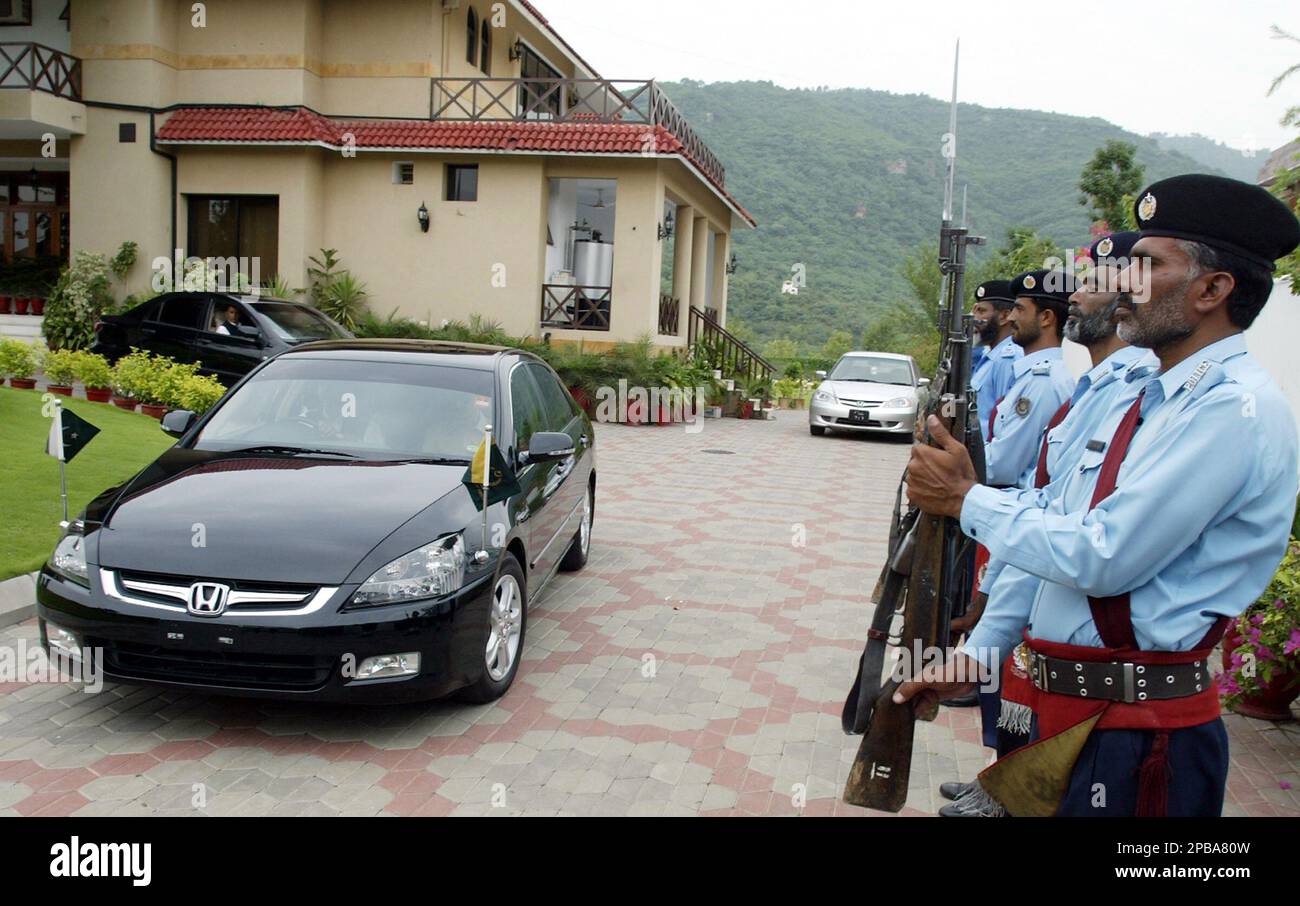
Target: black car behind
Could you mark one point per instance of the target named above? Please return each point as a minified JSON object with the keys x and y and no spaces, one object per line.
{"x":228,"y":334}
{"x":315,"y":536}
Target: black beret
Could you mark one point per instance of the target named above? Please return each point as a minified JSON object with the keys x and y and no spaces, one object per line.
{"x":996,"y":291}
{"x":1052,"y":288}
{"x":1113,"y":247}
{"x":1222,"y":213}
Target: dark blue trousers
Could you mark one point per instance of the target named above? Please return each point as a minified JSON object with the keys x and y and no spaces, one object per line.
{"x":1105,"y":778}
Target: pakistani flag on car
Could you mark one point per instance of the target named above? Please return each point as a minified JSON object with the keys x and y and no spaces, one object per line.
{"x":490,"y":474}
{"x":69,"y":432}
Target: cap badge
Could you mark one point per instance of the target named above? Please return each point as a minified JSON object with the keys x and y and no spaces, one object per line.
{"x":1147,"y":207}
{"x":1030,"y":282}
{"x":1106,"y":246}
{"x":979,"y":293}
{"x":1023,"y":406}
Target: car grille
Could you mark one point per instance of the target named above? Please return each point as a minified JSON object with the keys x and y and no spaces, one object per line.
{"x":245,"y":597}
{"x":861,"y":404}
{"x":870,"y":423}
{"x":245,"y":671}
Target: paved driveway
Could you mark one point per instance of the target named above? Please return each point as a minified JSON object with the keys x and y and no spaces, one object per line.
{"x":696,"y":666}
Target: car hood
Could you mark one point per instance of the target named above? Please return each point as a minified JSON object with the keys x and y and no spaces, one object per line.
{"x":274,"y":519}
{"x":860,"y":390}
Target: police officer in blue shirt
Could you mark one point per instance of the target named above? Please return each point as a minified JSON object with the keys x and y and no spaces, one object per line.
{"x":1156,"y":539}
{"x":991,"y":377}
{"x":1042,"y":382}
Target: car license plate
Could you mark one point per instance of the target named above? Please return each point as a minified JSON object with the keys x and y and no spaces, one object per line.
{"x":198,"y":636}
{"x":859,"y":416}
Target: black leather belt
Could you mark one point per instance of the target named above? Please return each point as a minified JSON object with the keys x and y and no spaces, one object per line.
{"x":1119,"y":681}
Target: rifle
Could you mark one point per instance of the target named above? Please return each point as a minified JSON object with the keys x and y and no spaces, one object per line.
{"x":927,"y":578}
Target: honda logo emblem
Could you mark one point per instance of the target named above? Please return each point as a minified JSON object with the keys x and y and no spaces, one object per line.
{"x":208,"y":599}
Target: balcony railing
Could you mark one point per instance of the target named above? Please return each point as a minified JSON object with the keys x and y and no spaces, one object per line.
{"x":570,"y":101}
{"x":40,"y":68}
{"x":575,"y":307}
{"x":668,"y":316}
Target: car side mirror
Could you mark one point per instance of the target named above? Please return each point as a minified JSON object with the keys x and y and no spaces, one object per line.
{"x":178,"y":421}
{"x":549,"y":446}
{"x":923,"y":382}
{"x":822,"y":375}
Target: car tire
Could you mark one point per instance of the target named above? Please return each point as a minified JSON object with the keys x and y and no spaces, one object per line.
{"x":575,"y":558}
{"x":816,"y":430}
{"x":511,"y":593}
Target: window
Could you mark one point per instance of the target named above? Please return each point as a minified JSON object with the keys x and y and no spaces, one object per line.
{"x":560,"y":408}
{"x":15,"y":12}
{"x":126,"y":132}
{"x":485,"y":49}
{"x":242,"y":227}
{"x":403,"y":173}
{"x":527,"y":408}
{"x":539,"y":99}
{"x":471,"y":41}
{"x":182,"y":311}
{"x":462,"y":182}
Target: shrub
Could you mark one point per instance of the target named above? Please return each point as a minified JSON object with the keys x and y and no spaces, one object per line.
{"x":94,"y":371}
{"x":17,"y":359}
{"x":81,"y":296}
{"x":61,"y":367}
{"x":1270,"y":634}
{"x":132,"y":375}
{"x":124,"y":260}
{"x":167,"y":380}
{"x":343,"y":299}
{"x":197,"y":393}
{"x":278,"y":288}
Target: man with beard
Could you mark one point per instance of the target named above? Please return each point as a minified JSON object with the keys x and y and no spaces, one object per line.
{"x":993,"y":376}
{"x":1139,"y":584}
{"x":1006,"y":593}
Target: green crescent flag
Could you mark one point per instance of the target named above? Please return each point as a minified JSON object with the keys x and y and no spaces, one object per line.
{"x":501,"y":479}
{"x":69,"y":432}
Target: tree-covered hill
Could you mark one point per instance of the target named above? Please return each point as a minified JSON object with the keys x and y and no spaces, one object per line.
{"x":849,"y":182}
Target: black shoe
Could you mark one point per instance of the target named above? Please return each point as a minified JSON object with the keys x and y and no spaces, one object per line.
{"x":954,"y":790}
{"x":970,"y":700}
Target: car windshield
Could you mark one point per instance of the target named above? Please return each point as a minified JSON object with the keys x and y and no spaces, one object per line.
{"x":874,"y":369}
{"x":373,"y":411}
{"x":294,"y":322}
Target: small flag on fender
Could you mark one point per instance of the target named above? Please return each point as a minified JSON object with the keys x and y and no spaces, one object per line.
{"x":489,"y":469}
{"x":69,"y":433}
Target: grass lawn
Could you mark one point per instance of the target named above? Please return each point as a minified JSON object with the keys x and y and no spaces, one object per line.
{"x":30,"y":510}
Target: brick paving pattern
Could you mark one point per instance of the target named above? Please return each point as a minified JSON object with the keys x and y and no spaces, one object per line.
{"x":696,"y":667}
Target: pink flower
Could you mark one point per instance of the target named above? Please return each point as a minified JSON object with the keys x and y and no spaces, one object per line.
{"x":1279,"y":603}
{"x":1257,"y":619}
{"x":1284,"y":784}
{"x":1237,"y":659}
{"x":1293,"y":643}
{"x":1228,"y":685}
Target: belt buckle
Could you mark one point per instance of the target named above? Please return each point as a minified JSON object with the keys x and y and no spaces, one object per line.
{"x":1039,"y":671}
{"x":1129,"y":674}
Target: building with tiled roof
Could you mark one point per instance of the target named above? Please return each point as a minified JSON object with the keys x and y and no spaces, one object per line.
{"x":459,"y":155}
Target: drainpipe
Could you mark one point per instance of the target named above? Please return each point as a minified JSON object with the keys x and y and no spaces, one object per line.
{"x":153,"y":146}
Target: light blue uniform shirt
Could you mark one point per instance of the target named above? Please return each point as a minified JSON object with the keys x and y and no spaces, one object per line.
{"x":992,"y":378}
{"x":1094,"y":396}
{"x":1195,"y":530}
{"x":1042,"y":384}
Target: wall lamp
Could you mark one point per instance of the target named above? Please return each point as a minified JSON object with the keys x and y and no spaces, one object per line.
{"x":516,"y":51}
{"x":733,"y":265}
{"x":666,"y":228}
{"x":422,"y":215}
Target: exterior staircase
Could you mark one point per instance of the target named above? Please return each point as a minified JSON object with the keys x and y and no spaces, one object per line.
{"x":725,"y":351}
{"x":21,"y":327}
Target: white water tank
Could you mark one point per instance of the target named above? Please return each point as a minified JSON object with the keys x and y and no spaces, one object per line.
{"x":593,"y":263}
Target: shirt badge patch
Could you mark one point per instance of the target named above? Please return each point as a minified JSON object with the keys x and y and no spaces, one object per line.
{"x":1023,"y":405}
{"x":1147,"y":207}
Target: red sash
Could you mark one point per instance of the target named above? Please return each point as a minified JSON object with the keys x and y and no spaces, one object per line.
{"x":1041,"y":478}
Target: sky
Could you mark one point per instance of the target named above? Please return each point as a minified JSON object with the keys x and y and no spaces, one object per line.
{"x":1146,"y":65}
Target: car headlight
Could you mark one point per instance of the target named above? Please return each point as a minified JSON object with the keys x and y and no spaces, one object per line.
{"x":434,"y":570}
{"x":69,"y":559}
{"x":824,"y":396}
{"x":901,"y":403}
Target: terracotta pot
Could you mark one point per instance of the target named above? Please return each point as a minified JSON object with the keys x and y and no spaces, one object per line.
{"x":583,"y":399}
{"x":154,"y":411}
{"x":22,"y":383}
{"x":4,"y":305}
{"x":1273,"y":702}
{"x":60,"y":389}
{"x":37,"y":306}
{"x":20,"y":305}
{"x":123,"y":403}
{"x":98,"y":394}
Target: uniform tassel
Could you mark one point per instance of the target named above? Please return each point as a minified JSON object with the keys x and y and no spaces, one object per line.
{"x":1015,"y":717}
{"x":1153,"y":779}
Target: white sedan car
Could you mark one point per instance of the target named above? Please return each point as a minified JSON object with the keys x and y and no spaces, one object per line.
{"x":868,"y":391}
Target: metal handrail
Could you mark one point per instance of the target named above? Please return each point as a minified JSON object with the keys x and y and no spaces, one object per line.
{"x":730,"y":353}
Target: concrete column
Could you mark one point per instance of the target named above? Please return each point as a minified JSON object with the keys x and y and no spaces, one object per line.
{"x":700,"y":264}
{"x":721,"y":255}
{"x":683,"y":250}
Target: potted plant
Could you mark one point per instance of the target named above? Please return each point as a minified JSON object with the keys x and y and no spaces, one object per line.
{"x":1261,"y":651}
{"x":96,"y":375}
{"x":37,"y":305}
{"x":165,"y":388}
{"x":20,"y":305}
{"x":198,"y":393}
{"x":18,"y":363}
{"x":61,"y":371}
{"x":131,"y":377}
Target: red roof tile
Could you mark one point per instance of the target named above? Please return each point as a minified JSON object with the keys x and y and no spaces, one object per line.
{"x":299,"y":126}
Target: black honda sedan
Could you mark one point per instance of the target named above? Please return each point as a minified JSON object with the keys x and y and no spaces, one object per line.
{"x":228,"y":334}
{"x":321,"y":533}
